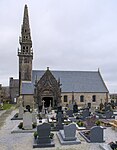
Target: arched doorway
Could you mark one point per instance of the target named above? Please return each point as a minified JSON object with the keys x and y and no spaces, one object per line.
{"x":48,"y":100}
{"x":47,"y":89}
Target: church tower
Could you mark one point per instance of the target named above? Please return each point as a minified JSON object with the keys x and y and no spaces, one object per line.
{"x":25,"y":53}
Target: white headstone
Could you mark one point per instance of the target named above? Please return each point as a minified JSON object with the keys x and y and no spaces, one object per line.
{"x":27,"y":120}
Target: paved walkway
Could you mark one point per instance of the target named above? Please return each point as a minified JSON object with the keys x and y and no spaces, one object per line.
{"x":2,"y":111}
{"x":23,"y":141}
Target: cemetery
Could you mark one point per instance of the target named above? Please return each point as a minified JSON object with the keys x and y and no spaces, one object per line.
{"x":64,"y":126}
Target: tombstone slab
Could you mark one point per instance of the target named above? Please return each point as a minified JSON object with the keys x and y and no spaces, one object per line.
{"x":95,"y":135}
{"x":68,"y":135}
{"x":60,"y":120}
{"x":43,"y":139}
{"x":27,"y":121}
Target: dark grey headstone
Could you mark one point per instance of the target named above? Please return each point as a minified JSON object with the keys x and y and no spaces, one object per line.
{"x":75,"y":108}
{"x":60,"y":120}
{"x":85,"y":113}
{"x":108,"y":114}
{"x":96,"y":134}
{"x":116,"y":103}
{"x":108,"y":107}
{"x":69,"y":113}
{"x":43,"y":132}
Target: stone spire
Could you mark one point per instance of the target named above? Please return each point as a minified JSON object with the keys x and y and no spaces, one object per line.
{"x":25,"y":52}
{"x":25,"y":39}
{"x":26,"y":18}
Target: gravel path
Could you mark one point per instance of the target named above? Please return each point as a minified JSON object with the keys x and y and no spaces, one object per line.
{"x":24,"y":141}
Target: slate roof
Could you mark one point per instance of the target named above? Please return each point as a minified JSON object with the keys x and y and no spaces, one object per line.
{"x":76,"y":81}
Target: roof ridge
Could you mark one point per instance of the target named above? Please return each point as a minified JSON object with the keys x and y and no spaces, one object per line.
{"x":67,"y":71}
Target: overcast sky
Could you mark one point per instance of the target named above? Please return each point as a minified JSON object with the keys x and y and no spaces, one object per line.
{"x":76,"y":35}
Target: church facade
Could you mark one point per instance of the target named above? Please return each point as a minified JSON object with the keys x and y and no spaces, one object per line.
{"x":55,"y":87}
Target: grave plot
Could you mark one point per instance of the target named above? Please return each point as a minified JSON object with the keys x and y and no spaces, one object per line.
{"x":59,"y":121}
{"x":28,"y":125}
{"x":94,"y":135}
{"x":105,"y":111}
{"x":67,"y":136}
{"x":43,"y":137}
{"x":19,"y":116}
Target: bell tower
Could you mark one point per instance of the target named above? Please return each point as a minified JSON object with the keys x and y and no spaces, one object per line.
{"x":25,"y":53}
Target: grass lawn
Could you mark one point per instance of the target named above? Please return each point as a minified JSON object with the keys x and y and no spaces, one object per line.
{"x":7,"y":106}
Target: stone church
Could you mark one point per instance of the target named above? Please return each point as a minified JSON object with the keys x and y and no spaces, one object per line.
{"x":55,"y":87}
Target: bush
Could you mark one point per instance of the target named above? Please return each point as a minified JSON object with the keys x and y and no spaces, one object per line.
{"x":34,"y":125}
{"x":77,"y":117}
{"x":39,"y":116}
{"x":52,"y":124}
{"x":80,"y":123}
{"x":98,"y":123}
{"x":65,"y":117}
{"x":51,"y":135}
{"x":35,"y":135}
{"x":16,"y":115}
{"x":20,"y":126}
